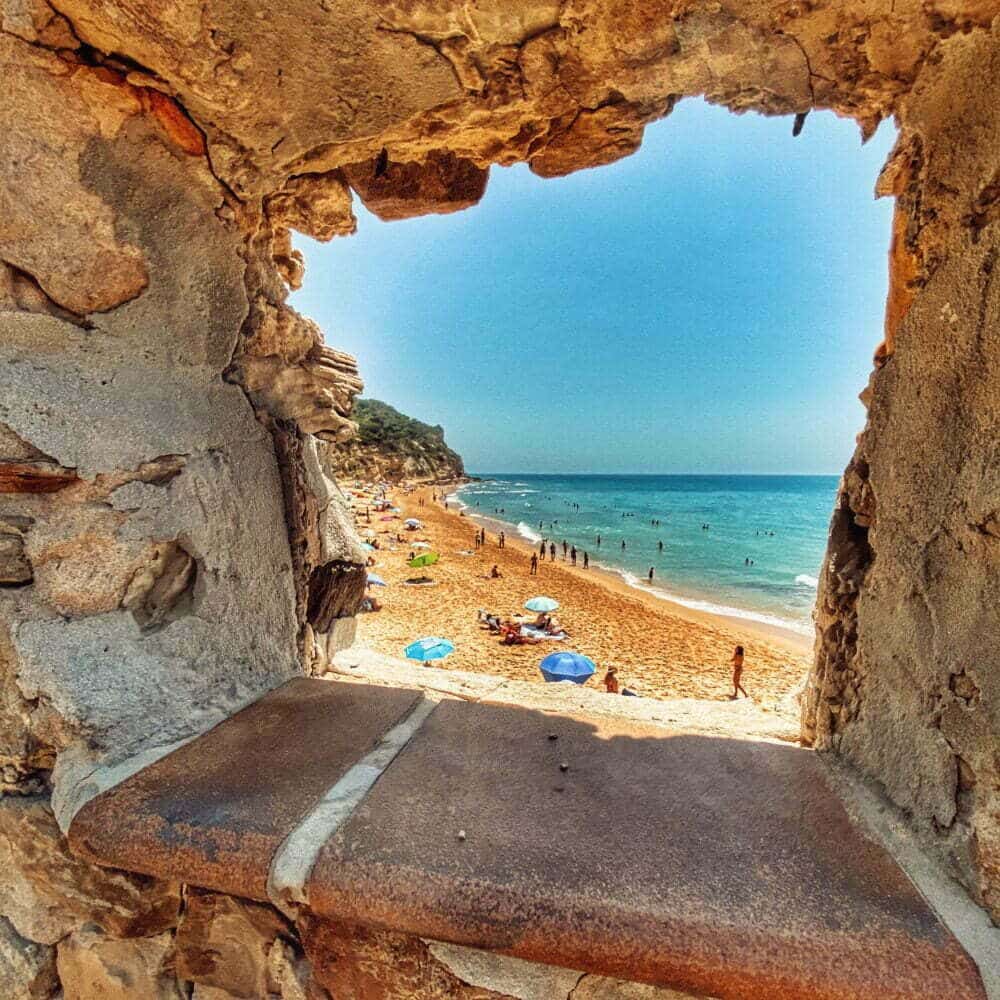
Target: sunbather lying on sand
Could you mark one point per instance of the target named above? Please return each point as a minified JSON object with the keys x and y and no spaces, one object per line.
{"x":489,"y":621}
{"x":513,"y":636}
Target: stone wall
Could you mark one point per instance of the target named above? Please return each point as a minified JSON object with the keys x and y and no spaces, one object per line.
{"x":169,"y":545}
{"x":907,"y":677}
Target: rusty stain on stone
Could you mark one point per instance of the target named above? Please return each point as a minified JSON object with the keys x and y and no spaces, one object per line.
{"x":27,"y":477}
{"x":725,"y":867}
{"x":213,"y":812}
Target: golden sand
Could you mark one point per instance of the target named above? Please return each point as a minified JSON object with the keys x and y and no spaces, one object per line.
{"x":661,"y":649}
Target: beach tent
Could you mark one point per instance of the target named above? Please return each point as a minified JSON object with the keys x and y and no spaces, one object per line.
{"x":431,"y":648}
{"x":541,"y":604}
{"x":566,"y":666}
{"x":374,"y":580}
{"x":424,"y":559}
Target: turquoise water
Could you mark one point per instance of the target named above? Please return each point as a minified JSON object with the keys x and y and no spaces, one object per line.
{"x":777,"y":522}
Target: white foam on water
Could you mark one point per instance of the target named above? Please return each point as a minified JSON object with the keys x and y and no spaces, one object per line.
{"x":525,"y":532}
{"x":805,"y":580}
{"x":801,"y":628}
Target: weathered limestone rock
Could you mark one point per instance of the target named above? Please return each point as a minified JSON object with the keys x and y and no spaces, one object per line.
{"x":27,"y":969}
{"x":905,"y":684}
{"x":441,"y":184}
{"x":47,"y":893}
{"x":93,"y":966}
{"x":225,"y":943}
{"x":318,"y":205}
{"x":353,"y":961}
{"x":15,"y":568}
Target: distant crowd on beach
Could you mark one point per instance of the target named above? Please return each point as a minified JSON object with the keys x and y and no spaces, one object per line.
{"x":546,"y":626}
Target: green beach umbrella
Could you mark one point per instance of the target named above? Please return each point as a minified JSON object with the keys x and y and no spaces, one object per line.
{"x":424,"y":559}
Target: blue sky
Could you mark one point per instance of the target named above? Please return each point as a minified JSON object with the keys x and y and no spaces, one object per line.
{"x":710,"y":304}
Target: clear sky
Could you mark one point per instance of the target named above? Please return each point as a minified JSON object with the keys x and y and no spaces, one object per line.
{"x":710,"y":304}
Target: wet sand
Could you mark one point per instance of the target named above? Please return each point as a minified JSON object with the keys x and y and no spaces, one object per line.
{"x":661,"y":649}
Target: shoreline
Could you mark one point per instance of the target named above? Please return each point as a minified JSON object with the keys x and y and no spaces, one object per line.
{"x":795,"y":641}
{"x":661,"y":649}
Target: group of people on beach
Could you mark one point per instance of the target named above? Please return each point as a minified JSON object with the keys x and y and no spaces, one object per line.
{"x":546,"y":626}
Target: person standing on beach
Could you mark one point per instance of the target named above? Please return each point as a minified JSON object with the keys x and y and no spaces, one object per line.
{"x":737,"y":662}
{"x":650,"y":574}
{"x":572,"y":555}
{"x":534,"y":564}
{"x":552,"y":551}
{"x":611,"y":681}
{"x":503,"y":539}
{"x":541,"y":550}
{"x":565,"y":547}
{"x":586,"y":561}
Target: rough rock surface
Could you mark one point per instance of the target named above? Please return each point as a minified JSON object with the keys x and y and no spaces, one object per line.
{"x":94,"y":966}
{"x":226,"y":943}
{"x":906,"y":684}
{"x":46,"y":892}
{"x":27,"y":969}
{"x":163,"y":542}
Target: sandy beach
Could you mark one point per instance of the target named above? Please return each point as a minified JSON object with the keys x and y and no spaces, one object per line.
{"x":661,"y":649}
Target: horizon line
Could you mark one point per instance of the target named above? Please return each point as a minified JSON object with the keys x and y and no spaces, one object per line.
{"x":771,"y":475}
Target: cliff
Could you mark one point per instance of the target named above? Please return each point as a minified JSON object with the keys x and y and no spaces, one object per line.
{"x":392,"y":446}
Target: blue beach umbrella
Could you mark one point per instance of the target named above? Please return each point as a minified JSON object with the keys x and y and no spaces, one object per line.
{"x":367,"y":547}
{"x":567,"y":666}
{"x":543,"y":604}
{"x":374,"y":580}
{"x":431,"y":648}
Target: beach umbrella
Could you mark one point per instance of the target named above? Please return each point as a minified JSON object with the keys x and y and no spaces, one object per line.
{"x":412,"y":522}
{"x":543,"y":604}
{"x":567,"y":666}
{"x":367,"y":547}
{"x":424,"y":559}
{"x":431,"y":648}
{"x":374,"y":580}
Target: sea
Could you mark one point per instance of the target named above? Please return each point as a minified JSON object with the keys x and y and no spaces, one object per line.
{"x":744,"y":546}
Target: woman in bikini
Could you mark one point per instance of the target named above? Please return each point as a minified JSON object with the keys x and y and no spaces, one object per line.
{"x":737,"y":662}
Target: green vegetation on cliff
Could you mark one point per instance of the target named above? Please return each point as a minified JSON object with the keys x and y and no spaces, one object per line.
{"x":391,"y":445}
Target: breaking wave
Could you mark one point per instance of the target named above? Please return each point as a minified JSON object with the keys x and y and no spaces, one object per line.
{"x":525,"y":532}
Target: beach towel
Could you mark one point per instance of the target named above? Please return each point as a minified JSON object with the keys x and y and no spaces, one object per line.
{"x":530,"y":632}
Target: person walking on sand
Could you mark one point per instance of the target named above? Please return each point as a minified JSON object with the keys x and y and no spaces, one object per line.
{"x":586,"y":561}
{"x":565,"y":547}
{"x":552,"y":551}
{"x":572,"y":555}
{"x":503,"y":539}
{"x":541,"y":550}
{"x":534,"y":564}
{"x":737,"y":662}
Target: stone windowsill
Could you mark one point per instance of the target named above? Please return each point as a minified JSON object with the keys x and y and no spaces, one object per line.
{"x":723,"y":867}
